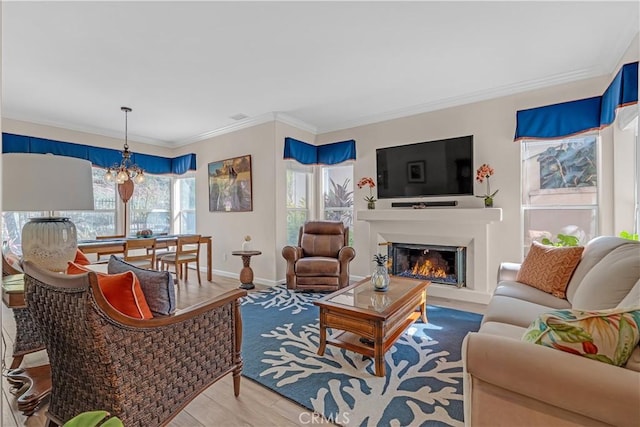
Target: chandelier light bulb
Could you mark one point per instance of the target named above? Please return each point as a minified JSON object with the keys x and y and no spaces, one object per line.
{"x":122,"y":177}
{"x":108,"y":177}
{"x":139,"y":179}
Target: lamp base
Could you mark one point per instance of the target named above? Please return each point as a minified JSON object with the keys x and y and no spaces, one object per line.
{"x":49,"y":242}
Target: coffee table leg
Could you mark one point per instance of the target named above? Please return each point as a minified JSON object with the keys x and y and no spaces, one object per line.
{"x":378,"y":355}
{"x":323,"y":339}
{"x":423,"y":310}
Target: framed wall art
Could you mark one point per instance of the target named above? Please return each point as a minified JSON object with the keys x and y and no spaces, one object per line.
{"x":415,"y":171}
{"x":230,"y":185}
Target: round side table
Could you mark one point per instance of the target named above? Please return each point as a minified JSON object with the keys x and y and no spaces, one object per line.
{"x":246,"y":274}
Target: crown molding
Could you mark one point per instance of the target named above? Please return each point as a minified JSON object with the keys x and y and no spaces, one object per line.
{"x":295,"y":122}
{"x":470,"y":98}
{"x":89,"y":129}
{"x":233,"y":127}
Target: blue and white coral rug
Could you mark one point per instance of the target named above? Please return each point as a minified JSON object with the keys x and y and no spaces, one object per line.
{"x":423,"y":384}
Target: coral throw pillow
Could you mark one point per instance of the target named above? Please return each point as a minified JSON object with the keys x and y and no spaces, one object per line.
{"x":549,"y":268}
{"x":608,"y":336}
{"x":81,"y":258}
{"x":122,"y":291}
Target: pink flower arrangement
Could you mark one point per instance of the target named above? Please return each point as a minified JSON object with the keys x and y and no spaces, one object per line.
{"x":484,"y":172}
{"x":368,"y":182}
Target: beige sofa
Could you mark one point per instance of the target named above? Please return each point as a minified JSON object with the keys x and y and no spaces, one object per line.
{"x":509,"y":382}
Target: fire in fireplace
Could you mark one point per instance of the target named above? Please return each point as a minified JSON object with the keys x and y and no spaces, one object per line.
{"x":438,"y":264}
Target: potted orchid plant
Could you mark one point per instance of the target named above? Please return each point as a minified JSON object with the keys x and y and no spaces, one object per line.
{"x":368,"y":182}
{"x":484,"y":172}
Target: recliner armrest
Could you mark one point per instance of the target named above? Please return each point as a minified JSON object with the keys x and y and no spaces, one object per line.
{"x":292,"y":253}
{"x":346,"y":254}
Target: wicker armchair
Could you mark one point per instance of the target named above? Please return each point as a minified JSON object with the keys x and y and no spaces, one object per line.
{"x":142,"y":371}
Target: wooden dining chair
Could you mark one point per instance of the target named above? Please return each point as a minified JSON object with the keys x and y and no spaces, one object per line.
{"x":187,"y":251}
{"x":141,"y":252}
{"x":109,"y":252}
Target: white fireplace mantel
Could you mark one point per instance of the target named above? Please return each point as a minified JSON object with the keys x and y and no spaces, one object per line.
{"x":466,"y":215}
{"x":467,"y":227}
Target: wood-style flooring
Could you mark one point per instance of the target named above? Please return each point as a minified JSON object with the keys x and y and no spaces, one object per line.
{"x":216,"y":406}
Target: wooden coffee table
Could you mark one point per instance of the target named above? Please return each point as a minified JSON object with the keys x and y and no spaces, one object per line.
{"x":369,"y":322}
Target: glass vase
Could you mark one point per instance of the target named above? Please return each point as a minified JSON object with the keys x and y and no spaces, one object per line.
{"x":380,"y":278}
{"x":371,"y":205}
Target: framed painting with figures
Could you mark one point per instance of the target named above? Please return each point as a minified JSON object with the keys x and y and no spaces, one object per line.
{"x":230,"y":185}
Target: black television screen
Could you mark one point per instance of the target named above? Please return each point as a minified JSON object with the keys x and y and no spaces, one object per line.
{"x":433,"y":168}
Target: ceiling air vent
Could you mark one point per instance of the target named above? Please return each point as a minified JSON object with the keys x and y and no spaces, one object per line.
{"x":239,"y":116}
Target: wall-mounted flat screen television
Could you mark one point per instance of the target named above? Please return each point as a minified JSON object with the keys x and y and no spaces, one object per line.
{"x":424,"y":169}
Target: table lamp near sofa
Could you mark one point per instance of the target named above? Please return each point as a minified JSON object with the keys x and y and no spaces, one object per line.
{"x":46,"y":182}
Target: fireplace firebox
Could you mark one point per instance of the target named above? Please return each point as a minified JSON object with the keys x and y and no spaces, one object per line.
{"x":438,"y":264}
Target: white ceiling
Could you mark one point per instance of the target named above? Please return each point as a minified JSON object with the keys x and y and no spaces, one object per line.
{"x":186,"y":68}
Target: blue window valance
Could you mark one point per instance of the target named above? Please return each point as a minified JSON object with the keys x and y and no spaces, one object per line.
{"x":584,"y":115}
{"x":98,"y":156}
{"x":327,"y":154}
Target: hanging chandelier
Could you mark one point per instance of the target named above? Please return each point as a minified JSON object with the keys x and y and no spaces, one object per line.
{"x":126,"y":170}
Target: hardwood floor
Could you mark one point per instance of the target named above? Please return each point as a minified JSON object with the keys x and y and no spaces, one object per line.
{"x":256,"y":405}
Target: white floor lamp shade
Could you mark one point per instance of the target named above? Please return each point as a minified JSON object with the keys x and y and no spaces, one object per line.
{"x":44,"y":182}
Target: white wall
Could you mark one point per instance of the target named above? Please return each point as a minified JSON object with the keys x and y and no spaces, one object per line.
{"x":491,"y":122}
{"x":493,"y":125}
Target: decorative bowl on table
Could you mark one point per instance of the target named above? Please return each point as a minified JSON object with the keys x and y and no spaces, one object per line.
{"x":144,"y":233}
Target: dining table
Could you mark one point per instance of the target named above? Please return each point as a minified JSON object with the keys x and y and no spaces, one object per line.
{"x":105,"y":246}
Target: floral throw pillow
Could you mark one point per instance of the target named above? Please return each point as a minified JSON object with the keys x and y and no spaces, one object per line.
{"x":608,"y":336}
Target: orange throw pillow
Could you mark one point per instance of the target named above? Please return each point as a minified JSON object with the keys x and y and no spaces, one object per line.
{"x":122,"y":291}
{"x":81,"y":258}
{"x":549,"y":268}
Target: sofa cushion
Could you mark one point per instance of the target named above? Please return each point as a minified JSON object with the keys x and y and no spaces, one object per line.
{"x":528,"y":293}
{"x":633,"y":297}
{"x":513,"y":311}
{"x":607,"y":336}
{"x":549,"y":268}
{"x":317,"y":266}
{"x":502,"y":330}
{"x":594,"y":251}
{"x":122,"y":291}
{"x":158,"y":286}
{"x":609,"y":281}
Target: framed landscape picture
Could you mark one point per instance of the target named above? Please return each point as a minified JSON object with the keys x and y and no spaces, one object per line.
{"x":415,"y":171}
{"x":230,"y":185}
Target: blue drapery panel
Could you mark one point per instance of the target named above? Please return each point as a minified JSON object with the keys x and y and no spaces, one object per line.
{"x":328,"y":154}
{"x":574,"y":117}
{"x":98,"y":156}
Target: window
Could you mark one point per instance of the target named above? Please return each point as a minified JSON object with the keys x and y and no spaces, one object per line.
{"x":337,"y":195}
{"x":560,"y":188}
{"x":185,"y":205}
{"x":102,"y":220}
{"x":150,"y":206}
{"x":299,"y":197}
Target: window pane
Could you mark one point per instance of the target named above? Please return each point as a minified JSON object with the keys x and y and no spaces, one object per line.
{"x":562,"y":172}
{"x":186,"y":205}
{"x":102,"y":220}
{"x":295,"y":220}
{"x":337,"y":190}
{"x":151,"y":205}
{"x":299,"y":179}
{"x":297,"y":188}
{"x":540,"y":223}
{"x":12,"y":223}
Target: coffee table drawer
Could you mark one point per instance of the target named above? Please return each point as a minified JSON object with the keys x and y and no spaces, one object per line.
{"x":347,"y":323}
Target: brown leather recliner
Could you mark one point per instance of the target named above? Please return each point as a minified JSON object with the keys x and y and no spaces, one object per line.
{"x":321,"y":259}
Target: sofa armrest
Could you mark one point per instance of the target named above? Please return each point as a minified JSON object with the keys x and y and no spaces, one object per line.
{"x":508,"y":271}
{"x":594,"y":389}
